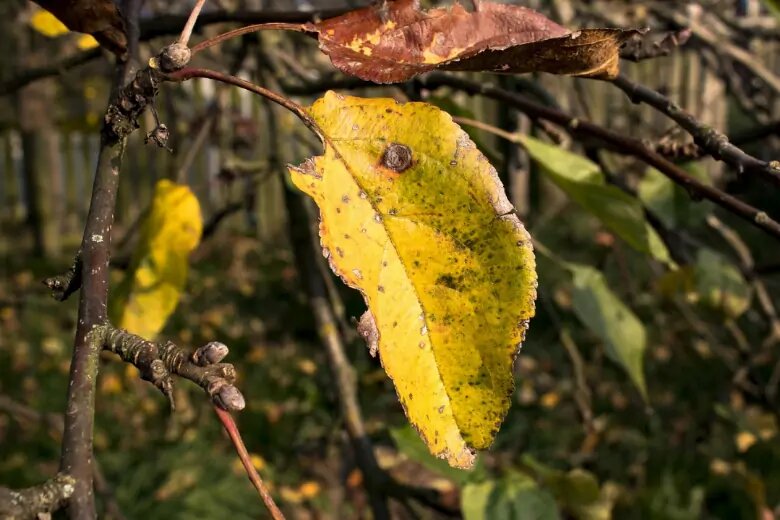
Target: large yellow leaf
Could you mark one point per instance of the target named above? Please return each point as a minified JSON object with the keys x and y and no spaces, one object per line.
{"x":414,"y":216}
{"x":158,"y":271}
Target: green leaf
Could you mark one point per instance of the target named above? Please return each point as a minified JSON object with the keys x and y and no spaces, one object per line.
{"x":513,"y":497}
{"x":584,"y":183}
{"x":669,"y":202}
{"x":611,"y":320}
{"x":577,"y":491}
{"x":720,"y":285}
{"x":410,"y":444}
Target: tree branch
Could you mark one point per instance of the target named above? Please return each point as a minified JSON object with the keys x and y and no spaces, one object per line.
{"x":581,"y":129}
{"x":31,"y":503}
{"x":54,"y":422}
{"x":120,"y":120}
{"x":709,"y":139}
{"x":164,"y":25}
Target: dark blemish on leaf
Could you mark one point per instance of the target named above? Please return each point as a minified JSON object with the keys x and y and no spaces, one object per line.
{"x":380,"y":288}
{"x":340,"y":252}
{"x":447,"y":280}
{"x":397,"y":157}
{"x":338,"y":210}
{"x":441,"y":409}
{"x":345,"y":199}
{"x":422,"y":344}
{"x":346,"y":236}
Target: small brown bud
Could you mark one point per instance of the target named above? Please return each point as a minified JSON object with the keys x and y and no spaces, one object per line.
{"x":230,"y":398}
{"x":210,"y":353}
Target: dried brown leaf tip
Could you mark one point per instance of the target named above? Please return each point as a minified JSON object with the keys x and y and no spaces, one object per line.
{"x":399,"y":41}
{"x":100,"y":18}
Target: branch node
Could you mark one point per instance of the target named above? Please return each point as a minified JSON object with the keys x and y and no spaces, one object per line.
{"x":63,"y":285}
{"x":159,"y":362}
{"x":174,"y":57}
{"x":229,"y":398}
{"x":210,"y":353}
{"x":159,"y":136}
{"x":38,"y":501}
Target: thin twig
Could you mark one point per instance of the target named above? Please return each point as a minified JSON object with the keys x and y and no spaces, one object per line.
{"x":747,"y":264}
{"x":582,"y":394}
{"x":216,"y":40}
{"x":639,"y":47}
{"x":191,"y":72}
{"x":186,"y":32}
{"x":235,"y":436}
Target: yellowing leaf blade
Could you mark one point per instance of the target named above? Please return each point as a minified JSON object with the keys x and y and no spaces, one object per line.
{"x":158,"y":273}
{"x":413,"y":216}
{"x":47,"y":24}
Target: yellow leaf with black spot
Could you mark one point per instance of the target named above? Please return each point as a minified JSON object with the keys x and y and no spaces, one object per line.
{"x":150,"y":291}
{"x":415,"y":217}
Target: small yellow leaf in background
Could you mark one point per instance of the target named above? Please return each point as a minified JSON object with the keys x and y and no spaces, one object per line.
{"x":153,"y":285}
{"x":744,"y":441}
{"x":86,"y":42}
{"x":415,"y":217}
{"x":111,"y":384}
{"x":47,"y":24}
{"x":309,"y":489}
{"x":257,"y":461}
{"x":550,"y":399}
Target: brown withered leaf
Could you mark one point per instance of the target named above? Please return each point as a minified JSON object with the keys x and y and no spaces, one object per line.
{"x":100,"y":18}
{"x":398,"y":41}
